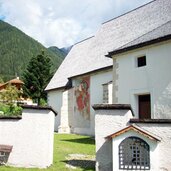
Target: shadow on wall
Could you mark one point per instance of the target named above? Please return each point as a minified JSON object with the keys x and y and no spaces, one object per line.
{"x":81,"y":140}
{"x":104,"y":157}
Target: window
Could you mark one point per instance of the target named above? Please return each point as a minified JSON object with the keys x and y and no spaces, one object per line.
{"x":4,"y":153}
{"x":105,"y":93}
{"x":134,"y":154}
{"x":3,"y":157}
{"x":144,"y":105}
{"x":141,"y":61}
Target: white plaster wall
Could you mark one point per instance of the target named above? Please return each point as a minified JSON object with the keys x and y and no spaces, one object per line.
{"x":107,"y":122}
{"x":154,"y":78}
{"x":96,"y":96}
{"x":66,"y":111}
{"x":110,"y":89}
{"x":32,"y":138}
{"x":55,"y":101}
{"x":96,"y":92}
{"x":164,"y":147}
{"x":152,"y":144}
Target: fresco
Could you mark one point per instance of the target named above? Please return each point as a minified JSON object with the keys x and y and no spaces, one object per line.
{"x":82,"y":94}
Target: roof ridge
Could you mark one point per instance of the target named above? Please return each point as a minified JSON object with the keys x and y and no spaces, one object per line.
{"x":128,"y":12}
{"x":84,"y":40}
{"x":144,"y":34}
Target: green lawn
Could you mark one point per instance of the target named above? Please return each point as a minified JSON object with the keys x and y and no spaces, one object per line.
{"x":65,"y":144}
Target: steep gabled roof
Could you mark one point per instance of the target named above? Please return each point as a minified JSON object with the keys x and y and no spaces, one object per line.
{"x":135,"y":129}
{"x":161,"y":33}
{"x":89,"y":55}
{"x":78,"y":61}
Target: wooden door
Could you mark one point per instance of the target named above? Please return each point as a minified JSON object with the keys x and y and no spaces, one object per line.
{"x":144,"y":106}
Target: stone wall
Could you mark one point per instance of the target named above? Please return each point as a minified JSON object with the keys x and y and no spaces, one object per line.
{"x":30,"y":136}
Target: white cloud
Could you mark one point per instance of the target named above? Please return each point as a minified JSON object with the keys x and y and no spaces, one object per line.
{"x":62,"y":22}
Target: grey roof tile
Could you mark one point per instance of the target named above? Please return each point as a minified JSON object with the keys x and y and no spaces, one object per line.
{"x":90,"y":54}
{"x":157,"y":33}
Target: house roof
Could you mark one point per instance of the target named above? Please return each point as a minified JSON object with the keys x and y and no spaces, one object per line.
{"x":13,"y":81}
{"x":136,"y":129}
{"x":159,"y":34}
{"x":6,"y":148}
{"x":78,"y":61}
{"x":89,"y":55}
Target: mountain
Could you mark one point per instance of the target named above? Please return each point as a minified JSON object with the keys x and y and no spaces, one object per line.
{"x":56,"y":50}
{"x":66,"y":49}
{"x":16,"y":50}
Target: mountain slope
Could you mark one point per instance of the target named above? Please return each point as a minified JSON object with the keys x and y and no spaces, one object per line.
{"x":56,"y":50}
{"x":66,"y":49}
{"x":16,"y":49}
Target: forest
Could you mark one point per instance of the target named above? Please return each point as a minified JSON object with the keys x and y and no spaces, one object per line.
{"x":16,"y":50}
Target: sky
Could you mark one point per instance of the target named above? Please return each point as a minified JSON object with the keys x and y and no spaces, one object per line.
{"x":62,"y":23}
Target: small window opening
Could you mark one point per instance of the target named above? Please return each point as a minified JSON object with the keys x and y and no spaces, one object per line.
{"x":141,"y":61}
{"x":134,"y":154}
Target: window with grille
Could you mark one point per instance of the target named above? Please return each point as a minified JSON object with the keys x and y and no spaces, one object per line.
{"x":134,"y":154}
{"x":4,"y":153}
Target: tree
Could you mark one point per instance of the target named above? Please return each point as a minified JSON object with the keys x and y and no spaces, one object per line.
{"x":36,"y":77}
{"x":1,"y":80}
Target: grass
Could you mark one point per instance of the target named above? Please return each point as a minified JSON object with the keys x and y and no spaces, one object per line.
{"x":65,"y":144}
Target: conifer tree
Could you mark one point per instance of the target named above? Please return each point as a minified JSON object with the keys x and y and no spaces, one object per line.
{"x":36,"y":77}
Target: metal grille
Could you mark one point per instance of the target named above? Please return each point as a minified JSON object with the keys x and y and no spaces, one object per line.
{"x":134,"y":154}
{"x":2,"y":157}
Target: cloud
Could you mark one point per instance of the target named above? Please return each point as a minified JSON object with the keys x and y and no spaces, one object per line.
{"x":62,"y":22}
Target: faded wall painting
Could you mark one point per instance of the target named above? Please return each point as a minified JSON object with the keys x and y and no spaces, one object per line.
{"x":82,"y":96}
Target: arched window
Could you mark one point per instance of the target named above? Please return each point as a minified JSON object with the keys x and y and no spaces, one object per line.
{"x":134,"y":154}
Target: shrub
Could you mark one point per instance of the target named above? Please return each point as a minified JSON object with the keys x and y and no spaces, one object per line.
{"x":43,"y":102}
{"x":8,"y":110}
{"x":9,"y":97}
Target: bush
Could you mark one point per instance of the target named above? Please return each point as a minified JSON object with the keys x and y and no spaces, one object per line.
{"x":43,"y":102}
{"x":9,"y":96}
{"x":17,"y":110}
{"x":10,"y":110}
